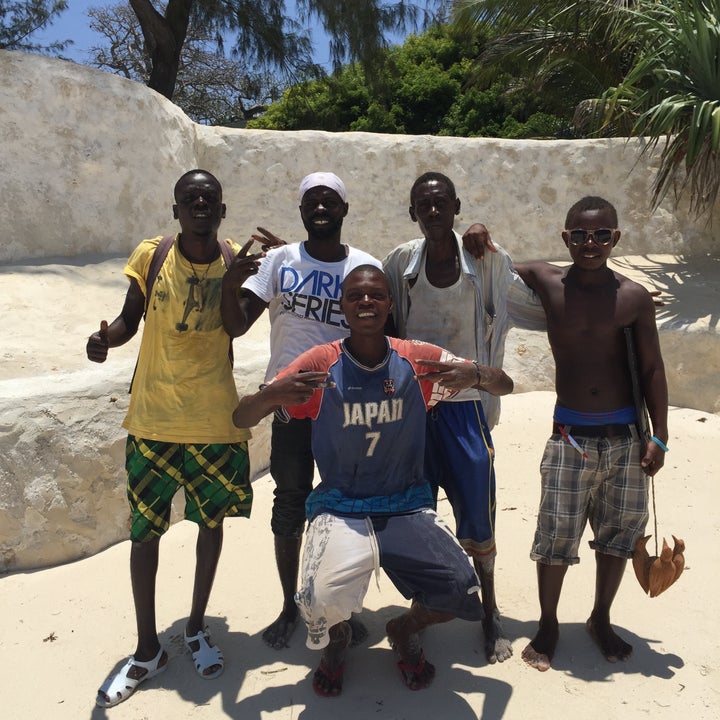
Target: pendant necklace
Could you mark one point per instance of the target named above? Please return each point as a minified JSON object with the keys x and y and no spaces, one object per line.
{"x":196,"y":287}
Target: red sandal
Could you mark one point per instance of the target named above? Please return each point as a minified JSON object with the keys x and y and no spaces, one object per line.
{"x":334,"y":680}
{"x":417,"y":677}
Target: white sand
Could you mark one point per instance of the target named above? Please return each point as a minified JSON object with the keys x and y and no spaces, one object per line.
{"x":66,"y":628}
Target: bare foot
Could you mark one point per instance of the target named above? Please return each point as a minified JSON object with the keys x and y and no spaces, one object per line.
{"x":540,"y":661}
{"x":540,"y":650}
{"x":279,"y":633}
{"x":497,"y":646}
{"x":359,"y":631}
{"x":417,"y":673}
{"x":611,"y":645}
{"x":328,"y":678}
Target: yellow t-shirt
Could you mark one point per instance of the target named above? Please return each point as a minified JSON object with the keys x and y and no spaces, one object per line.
{"x":184,"y":390}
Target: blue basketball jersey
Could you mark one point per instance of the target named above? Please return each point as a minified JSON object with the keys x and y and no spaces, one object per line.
{"x":368,"y":432}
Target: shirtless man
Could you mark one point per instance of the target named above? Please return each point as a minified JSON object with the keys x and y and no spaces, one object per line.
{"x":595,"y":464}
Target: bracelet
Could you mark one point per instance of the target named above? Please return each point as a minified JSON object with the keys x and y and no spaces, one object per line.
{"x":660,"y":444}
{"x":477,"y":371}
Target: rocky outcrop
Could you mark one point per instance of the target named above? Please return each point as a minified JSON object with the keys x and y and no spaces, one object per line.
{"x":62,"y":447}
{"x":96,"y":156}
{"x":86,"y":171}
{"x":62,"y":478}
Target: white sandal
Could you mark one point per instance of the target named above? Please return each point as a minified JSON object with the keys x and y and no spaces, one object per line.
{"x":121,"y":686}
{"x":205,"y":656}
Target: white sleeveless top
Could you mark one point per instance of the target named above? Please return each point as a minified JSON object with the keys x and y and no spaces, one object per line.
{"x":444,"y":317}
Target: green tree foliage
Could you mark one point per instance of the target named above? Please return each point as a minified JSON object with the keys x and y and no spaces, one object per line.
{"x":210,"y":88}
{"x":565,"y":50}
{"x":19,"y":20}
{"x":630,"y":67}
{"x":265,"y":34}
{"x":671,"y":94}
{"x":424,"y":92}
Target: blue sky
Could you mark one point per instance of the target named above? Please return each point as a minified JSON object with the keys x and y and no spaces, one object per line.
{"x":73,"y":24}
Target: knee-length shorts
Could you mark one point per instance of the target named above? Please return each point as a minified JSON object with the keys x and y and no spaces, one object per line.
{"x":608,"y":490}
{"x":459,"y":458}
{"x":418,"y":552}
{"x":215,"y":477}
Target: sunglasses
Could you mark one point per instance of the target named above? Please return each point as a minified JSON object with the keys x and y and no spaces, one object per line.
{"x":601,"y":236}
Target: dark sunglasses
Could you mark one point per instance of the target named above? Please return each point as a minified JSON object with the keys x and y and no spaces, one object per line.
{"x":601,"y":236}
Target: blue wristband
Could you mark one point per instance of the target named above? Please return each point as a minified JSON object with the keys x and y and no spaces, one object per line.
{"x":660,"y":444}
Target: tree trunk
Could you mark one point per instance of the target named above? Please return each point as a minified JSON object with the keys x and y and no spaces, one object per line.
{"x":164,"y":37}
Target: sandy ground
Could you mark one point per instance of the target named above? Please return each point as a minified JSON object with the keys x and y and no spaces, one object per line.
{"x":66,"y":628}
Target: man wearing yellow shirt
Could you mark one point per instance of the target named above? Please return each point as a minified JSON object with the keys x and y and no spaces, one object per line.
{"x":179,"y":422}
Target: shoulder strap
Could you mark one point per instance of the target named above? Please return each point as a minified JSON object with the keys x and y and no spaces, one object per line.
{"x":158,"y":258}
{"x":643,"y":419}
{"x":227,"y":252}
{"x":228,"y":255}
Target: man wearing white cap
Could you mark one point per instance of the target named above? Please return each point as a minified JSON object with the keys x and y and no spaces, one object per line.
{"x":300,"y":283}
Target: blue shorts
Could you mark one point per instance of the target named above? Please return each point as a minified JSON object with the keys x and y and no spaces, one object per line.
{"x":459,"y":458}
{"x":417,"y":550}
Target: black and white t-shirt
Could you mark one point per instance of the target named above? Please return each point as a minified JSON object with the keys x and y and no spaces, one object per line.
{"x":304,"y":300}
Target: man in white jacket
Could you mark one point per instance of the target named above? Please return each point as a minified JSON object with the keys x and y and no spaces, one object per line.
{"x":443,"y":295}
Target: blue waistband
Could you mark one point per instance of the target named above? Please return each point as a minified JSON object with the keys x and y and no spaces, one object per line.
{"x":623,"y":416}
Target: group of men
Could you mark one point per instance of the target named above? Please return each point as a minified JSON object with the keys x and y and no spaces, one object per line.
{"x":387,"y":375}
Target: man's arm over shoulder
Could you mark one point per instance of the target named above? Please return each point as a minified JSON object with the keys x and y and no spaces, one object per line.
{"x":537,"y":274}
{"x":524,"y":294}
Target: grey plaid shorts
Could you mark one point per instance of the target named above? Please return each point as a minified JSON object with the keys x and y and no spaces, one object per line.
{"x":609,"y":490}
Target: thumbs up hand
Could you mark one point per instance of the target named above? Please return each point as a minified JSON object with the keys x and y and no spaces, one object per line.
{"x":98,"y":344}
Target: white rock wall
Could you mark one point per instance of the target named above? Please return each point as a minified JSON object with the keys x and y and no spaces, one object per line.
{"x":87,"y":167}
{"x":89,"y":160}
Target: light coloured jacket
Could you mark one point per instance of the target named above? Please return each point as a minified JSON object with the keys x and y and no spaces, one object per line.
{"x":502,"y":299}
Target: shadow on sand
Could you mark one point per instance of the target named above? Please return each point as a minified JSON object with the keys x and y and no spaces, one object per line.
{"x":254,"y":683}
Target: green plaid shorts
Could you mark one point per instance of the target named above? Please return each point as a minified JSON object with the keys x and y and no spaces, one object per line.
{"x":215,"y":477}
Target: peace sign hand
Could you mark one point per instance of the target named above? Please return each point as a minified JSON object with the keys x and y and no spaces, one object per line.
{"x":242,"y":267}
{"x":267,"y":240}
